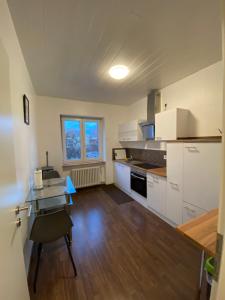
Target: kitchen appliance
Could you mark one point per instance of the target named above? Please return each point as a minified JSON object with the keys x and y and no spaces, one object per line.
{"x":153,"y":107}
{"x":138,"y":177}
{"x":138,"y":182}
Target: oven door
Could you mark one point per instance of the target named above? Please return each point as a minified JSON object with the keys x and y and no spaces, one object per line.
{"x":138,"y":183}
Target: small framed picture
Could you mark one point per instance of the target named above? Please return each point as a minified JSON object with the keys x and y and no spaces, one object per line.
{"x":26,"y":111}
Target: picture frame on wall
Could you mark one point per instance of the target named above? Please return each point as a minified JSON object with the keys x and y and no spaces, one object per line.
{"x":26,"y":110}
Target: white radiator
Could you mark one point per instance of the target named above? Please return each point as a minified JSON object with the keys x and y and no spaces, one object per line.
{"x":88,"y":176}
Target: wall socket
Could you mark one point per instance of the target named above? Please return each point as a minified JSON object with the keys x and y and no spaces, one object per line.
{"x":165,"y":156}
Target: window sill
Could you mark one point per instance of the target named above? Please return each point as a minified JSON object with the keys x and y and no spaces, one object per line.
{"x":82,"y":164}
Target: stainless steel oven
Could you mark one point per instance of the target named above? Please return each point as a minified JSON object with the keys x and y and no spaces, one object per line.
{"x":138,"y":182}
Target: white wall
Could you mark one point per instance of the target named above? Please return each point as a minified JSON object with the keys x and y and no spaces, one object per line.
{"x":49,"y":129}
{"x":200,"y":92}
{"x":138,"y":110}
{"x":24,"y":136}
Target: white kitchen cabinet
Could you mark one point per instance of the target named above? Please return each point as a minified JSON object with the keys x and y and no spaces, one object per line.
{"x":201,"y":174}
{"x":174,"y":186}
{"x":171,"y":124}
{"x":174,"y":202}
{"x":130,"y":132}
{"x":190,"y":212}
{"x":122,"y":177}
{"x":156,"y":193}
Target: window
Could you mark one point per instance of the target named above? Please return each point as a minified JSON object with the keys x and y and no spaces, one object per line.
{"x":82,"y":139}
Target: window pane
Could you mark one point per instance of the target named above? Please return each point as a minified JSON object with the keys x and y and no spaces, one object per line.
{"x":73,"y":139}
{"x":91,"y":139}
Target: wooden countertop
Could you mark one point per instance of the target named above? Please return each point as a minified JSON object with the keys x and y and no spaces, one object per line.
{"x":202,"y":231}
{"x":158,"y":171}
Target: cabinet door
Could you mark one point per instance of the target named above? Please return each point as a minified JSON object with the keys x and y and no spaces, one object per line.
{"x":166,"y":125}
{"x":174,"y":197}
{"x":175,"y":163}
{"x":116,"y":173}
{"x":191,"y":212}
{"x":125,"y":178}
{"x":130,"y":131}
{"x":122,"y":176}
{"x":156,"y":193}
{"x":202,"y":163}
{"x":152,"y":195}
{"x":174,"y":202}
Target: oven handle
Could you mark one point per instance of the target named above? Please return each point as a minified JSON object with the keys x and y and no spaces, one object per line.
{"x":132,"y":174}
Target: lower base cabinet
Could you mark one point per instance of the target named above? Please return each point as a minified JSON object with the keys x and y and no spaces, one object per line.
{"x":164,"y":198}
{"x":174,"y":202}
{"x":190,"y":212}
{"x":156,"y":193}
{"x":122,"y":177}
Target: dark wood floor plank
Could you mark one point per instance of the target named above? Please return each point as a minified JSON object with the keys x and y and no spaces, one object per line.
{"x":121,"y":252}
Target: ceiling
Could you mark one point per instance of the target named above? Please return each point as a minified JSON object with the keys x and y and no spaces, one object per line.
{"x":69,"y":45}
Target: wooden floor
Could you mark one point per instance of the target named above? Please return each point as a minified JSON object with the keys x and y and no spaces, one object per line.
{"x":121,"y":252}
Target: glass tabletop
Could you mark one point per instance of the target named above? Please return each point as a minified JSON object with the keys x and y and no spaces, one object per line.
{"x":54,"y":187}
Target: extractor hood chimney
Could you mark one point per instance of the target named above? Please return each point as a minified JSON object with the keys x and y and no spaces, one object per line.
{"x":153,"y":106}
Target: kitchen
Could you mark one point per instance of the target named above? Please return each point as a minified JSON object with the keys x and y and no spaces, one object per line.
{"x":163,"y":180}
{"x":112,"y":156}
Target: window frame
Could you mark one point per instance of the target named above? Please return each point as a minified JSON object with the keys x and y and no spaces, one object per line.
{"x":83,"y":159}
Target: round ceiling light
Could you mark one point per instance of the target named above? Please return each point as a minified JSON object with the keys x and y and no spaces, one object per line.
{"x":118,"y":72}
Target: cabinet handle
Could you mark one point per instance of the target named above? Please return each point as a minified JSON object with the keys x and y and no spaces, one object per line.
{"x":132,"y":175}
{"x":191,"y":210}
{"x":192,"y":148}
{"x":174,"y":184}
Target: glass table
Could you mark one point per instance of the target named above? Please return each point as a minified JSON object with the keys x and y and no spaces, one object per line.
{"x":56,"y":192}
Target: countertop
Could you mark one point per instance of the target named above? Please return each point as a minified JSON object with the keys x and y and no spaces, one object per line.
{"x":157,"y":171}
{"x":206,"y":139}
{"x":202,"y":231}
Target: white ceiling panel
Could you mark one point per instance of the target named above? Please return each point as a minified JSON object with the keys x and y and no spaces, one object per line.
{"x":70,"y":45}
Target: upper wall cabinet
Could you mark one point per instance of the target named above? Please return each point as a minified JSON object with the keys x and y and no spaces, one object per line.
{"x":130,"y":132}
{"x":171,"y":124}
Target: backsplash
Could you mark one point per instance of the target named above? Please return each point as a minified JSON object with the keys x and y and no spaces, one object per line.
{"x":155,"y":157}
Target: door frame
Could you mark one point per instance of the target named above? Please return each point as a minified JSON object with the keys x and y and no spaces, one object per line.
{"x":218,"y":288}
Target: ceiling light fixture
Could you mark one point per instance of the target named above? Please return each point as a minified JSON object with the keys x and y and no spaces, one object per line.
{"x":118,"y":72}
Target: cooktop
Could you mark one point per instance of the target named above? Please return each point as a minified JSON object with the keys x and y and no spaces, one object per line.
{"x":147,"y":166}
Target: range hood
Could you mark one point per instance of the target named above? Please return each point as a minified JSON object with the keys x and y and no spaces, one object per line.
{"x":153,"y":107}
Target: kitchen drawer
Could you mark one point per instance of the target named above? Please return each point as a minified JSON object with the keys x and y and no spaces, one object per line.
{"x":190,"y":212}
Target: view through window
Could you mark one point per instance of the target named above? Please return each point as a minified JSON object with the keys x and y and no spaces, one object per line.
{"x":81,"y":139}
